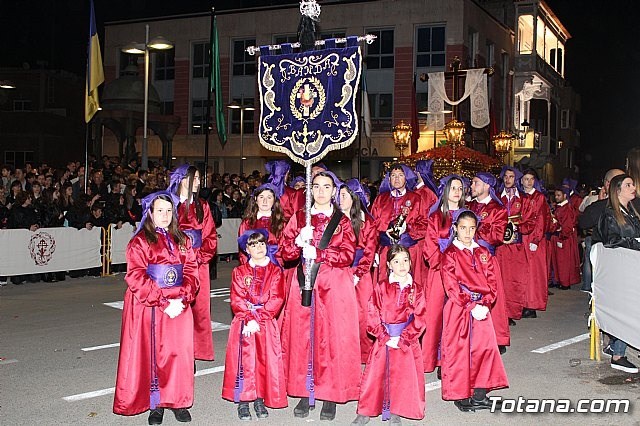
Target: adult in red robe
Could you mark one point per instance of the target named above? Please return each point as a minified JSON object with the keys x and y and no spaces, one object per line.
{"x":566,"y":262}
{"x":392,"y":305}
{"x":155,"y":363}
{"x":535,"y":243}
{"x":490,"y":234}
{"x":353,"y":203}
{"x":470,"y":357}
{"x":397,"y":199}
{"x":257,"y":293}
{"x":329,"y":328}
{"x":195,"y":219}
{"x":439,"y":232}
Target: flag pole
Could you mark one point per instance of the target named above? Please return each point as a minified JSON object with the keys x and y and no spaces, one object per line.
{"x":86,"y":157}
{"x":207,"y":123}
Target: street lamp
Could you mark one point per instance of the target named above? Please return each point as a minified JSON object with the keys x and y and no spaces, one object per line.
{"x":6,"y":84}
{"x":502,"y":142}
{"x":401,"y":136}
{"x":242,"y":108}
{"x":157,"y":43}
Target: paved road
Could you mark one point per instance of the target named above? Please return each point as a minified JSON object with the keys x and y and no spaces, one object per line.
{"x":47,"y":378}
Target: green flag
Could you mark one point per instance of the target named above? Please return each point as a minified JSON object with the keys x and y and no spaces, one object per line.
{"x":216,"y":84}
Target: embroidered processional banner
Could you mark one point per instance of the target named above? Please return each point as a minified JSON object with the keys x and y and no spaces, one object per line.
{"x":308,"y":100}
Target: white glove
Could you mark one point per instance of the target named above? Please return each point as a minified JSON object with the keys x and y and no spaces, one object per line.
{"x":393,"y":342}
{"x":309,"y":252}
{"x":559,"y":244}
{"x":175,"y":308}
{"x":376,"y":260}
{"x":250,"y":328}
{"x":533,"y":247}
{"x":356,"y":280}
{"x":306,"y":234}
{"x":479,"y":312}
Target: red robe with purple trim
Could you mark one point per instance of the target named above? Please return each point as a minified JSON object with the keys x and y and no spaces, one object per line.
{"x":433,"y":290}
{"x":201,"y":307}
{"x":392,"y":305}
{"x":537,"y":291}
{"x":173,"y":336}
{"x":470,"y":356}
{"x":336,"y":356}
{"x":491,"y":229}
{"x":262,"y":351}
{"x":566,"y":261}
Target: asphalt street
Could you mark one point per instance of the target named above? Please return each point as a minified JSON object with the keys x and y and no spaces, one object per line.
{"x":58,"y":356}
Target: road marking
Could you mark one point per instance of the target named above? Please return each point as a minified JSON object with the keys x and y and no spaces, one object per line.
{"x":8,"y":361}
{"x":218,"y":326}
{"x":216,"y":292}
{"x":109,"y":391}
{"x":95,"y":348}
{"x":117,"y":305}
{"x":432,"y":386}
{"x":562,"y":344}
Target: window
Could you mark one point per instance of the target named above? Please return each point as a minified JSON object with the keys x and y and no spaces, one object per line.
{"x":127,"y":59}
{"x":198,"y":116}
{"x":430,"y":50}
{"x":243,"y":63}
{"x":565,"y":119}
{"x":525,"y":34}
{"x":380,"y":52}
{"x":282,"y":39}
{"x":472,"y":44}
{"x":20,"y":105}
{"x":166,"y":108}
{"x":18,"y":158}
{"x":200,"y":60}
{"x":248,"y":116}
{"x":381,"y":108}
{"x":164,"y":65}
{"x":332,"y":34}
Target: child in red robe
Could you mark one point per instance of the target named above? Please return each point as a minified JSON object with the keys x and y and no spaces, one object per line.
{"x":564,"y":242}
{"x":471,"y":362}
{"x":253,"y":366}
{"x":393,"y":380}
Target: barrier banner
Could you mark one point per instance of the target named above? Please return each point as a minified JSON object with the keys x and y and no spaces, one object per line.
{"x":119,"y":240}
{"x":48,"y":250}
{"x":616,"y":291}
{"x":228,"y":236}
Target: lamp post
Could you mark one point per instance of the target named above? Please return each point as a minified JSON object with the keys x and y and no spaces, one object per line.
{"x":158,"y":43}
{"x":240,"y":106}
{"x":401,"y":136}
{"x":502,"y":142}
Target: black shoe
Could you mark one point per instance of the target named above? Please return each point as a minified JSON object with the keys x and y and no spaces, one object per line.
{"x":301,"y":410}
{"x":182,"y":414}
{"x":483,"y":404}
{"x":439,"y":373}
{"x":529,"y":313}
{"x":550,"y":293}
{"x":260,"y":409}
{"x":502,"y":349}
{"x":243,"y":411}
{"x":511,"y":322}
{"x":464,"y":405}
{"x":564,"y":287}
{"x":328,"y":411}
{"x":155,"y":416}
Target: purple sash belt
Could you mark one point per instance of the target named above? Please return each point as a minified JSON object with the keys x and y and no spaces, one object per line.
{"x":405,"y":240}
{"x":488,"y":246}
{"x":196,"y":237}
{"x":166,"y":276}
{"x":394,"y":330}
{"x":443,"y":243}
{"x":254,"y":308}
{"x":474,"y":296}
{"x":358,"y":256}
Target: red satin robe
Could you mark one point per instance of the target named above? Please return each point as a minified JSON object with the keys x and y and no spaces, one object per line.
{"x":470,"y":356}
{"x":201,"y":307}
{"x":491,"y":229}
{"x":389,"y":304}
{"x":367,"y":242}
{"x":512,"y":258}
{"x":291,"y":201}
{"x":386,"y":208}
{"x":262,"y":351}
{"x":566,"y":261}
{"x":173,"y":336}
{"x":336,"y":360}
{"x":537,"y":293}
{"x":433,"y":290}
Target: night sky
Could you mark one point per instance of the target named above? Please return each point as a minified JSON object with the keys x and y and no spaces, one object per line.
{"x":600,"y":57}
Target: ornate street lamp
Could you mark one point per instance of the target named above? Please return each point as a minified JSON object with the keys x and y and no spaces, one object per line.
{"x":401,"y":136}
{"x":454,"y":132}
{"x":502,"y":142}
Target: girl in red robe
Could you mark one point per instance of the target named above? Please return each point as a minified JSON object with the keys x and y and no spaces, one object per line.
{"x":471,"y":362}
{"x":253,"y":366}
{"x":353,"y":203}
{"x":393,"y":380}
{"x":320,"y":342}
{"x":196,"y":221}
{"x":156,"y":343}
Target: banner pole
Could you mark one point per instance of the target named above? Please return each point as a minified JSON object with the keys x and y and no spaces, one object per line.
{"x":307,"y":290}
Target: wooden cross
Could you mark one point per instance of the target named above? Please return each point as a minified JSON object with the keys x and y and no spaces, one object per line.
{"x":455,"y":74}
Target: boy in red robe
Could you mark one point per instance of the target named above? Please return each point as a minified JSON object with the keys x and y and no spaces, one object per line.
{"x":564,"y":242}
{"x":471,"y":362}
{"x":254,"y":370}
